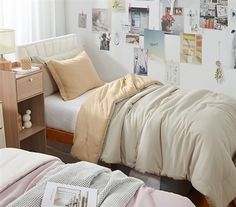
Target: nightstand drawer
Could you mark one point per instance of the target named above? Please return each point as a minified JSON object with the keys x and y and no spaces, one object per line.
{"x":29,"y":86}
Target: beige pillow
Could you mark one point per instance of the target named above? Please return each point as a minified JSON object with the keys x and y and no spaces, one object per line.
{"x":74,"y":76}
{"x":49,"y":84}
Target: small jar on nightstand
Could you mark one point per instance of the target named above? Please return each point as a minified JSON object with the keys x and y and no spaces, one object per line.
{"x":2,"y":133}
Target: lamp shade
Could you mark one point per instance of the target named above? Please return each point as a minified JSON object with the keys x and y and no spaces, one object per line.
{"x":7,"y":41}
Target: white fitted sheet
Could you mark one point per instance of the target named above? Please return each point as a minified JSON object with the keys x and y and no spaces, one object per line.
{"x":61,"y":114}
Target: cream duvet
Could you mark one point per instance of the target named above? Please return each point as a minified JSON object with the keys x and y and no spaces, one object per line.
{"x":163,"y":130}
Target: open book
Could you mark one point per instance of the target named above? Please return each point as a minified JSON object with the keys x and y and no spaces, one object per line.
{"x":57,"y":194}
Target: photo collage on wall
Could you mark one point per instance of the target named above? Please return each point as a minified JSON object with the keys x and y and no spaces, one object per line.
{"x":174,"y":19}
{"x":214,"y":14}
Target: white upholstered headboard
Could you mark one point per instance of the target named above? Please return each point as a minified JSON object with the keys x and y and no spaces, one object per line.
{"x":48,"y":47}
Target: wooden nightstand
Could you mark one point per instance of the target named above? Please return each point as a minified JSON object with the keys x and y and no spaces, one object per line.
{"x":2,"y":133}
{"x":19,"y":93}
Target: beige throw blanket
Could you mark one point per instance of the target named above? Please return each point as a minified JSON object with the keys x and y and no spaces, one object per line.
{"x":166,"y":131}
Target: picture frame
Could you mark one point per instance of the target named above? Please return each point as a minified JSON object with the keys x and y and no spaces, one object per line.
{"x":178,"y":11}
{"x":221,"y":11}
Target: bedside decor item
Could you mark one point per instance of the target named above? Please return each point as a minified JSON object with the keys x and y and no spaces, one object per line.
{"x":27,"y":119}
{"x":7,"y":46}
{"x":26,"y":63}
{"x":19,"y":121}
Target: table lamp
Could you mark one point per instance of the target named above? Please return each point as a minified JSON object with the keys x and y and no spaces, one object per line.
{"x":7,"y":46}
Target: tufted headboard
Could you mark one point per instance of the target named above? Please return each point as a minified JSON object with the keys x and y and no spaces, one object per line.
{"x":48,"y":47}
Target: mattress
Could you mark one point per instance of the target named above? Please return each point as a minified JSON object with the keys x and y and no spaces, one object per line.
{"x":61,"y":114}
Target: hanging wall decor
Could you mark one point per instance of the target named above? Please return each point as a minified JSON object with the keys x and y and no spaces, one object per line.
{"x":214,"y":14}
{"x":154,"y":44}
{"x":234,"y":48}
{"x":191,"y":48}
{"x":118,"y":5}
{"x":139,"y":19}
{"x":140,"y":61}
{"x":100,"y":20}
{"x":172,"y":19}
{"x":219,"y":71}
{"x":132,"y":38}
{"x":191,"y":20}
{"x":233,"y":15}
{"x":172,"y":75}
{"x":82,"y":20}
{"x":116,"y":39}
{"x":105,"y":39}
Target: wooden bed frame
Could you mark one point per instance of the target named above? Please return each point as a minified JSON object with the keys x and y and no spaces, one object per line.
{"x":66,"y":138}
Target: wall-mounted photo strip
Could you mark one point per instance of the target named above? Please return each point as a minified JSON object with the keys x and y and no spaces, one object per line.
{"x":191,"y":20}
{"x":118,"y":5}
{"x":100,"y":20}
{"x":154,"y":44}
{"x":105,"y":39}
{"x":172,"y":75}
{"x":172,"y":20}
{"x":132,"y":38}
{"x":82,"y":20}
{"x":191,"y":48}
{"x":139,"y":19}
{"x":140,"y":61}
{"x":214,"y":14}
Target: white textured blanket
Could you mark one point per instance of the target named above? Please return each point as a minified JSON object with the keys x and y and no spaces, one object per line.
{"x":15,"y":163}
{"x":114,"y":188}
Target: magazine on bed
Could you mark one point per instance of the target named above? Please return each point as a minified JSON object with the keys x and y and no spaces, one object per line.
{"x":57,"y":195}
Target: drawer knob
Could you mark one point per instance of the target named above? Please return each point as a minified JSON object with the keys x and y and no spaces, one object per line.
{"x":30,"y":79}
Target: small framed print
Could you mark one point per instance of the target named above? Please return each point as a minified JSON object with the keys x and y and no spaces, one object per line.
{"x":178,"y":11}
{"x":221,"y":10}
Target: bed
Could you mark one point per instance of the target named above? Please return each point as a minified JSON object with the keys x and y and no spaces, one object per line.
{"x":24,"y":185}
{"x":170,"y":158}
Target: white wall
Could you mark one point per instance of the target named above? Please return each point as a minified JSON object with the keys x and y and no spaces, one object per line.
{"x":60,"y":17}
{"x":119,"y":60}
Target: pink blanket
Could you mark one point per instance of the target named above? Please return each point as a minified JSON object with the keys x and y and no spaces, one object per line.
{"x":150,"y":197}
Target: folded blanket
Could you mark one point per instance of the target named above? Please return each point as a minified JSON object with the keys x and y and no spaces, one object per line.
{"x":114,"y":188}
{"x":15,"y":163}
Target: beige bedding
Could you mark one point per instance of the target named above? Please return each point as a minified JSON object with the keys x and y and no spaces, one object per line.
{"x":166,"y":131}
{"x":95,"y":115}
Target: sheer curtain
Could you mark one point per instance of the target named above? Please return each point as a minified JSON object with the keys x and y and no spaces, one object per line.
{"x":32,"y":19}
